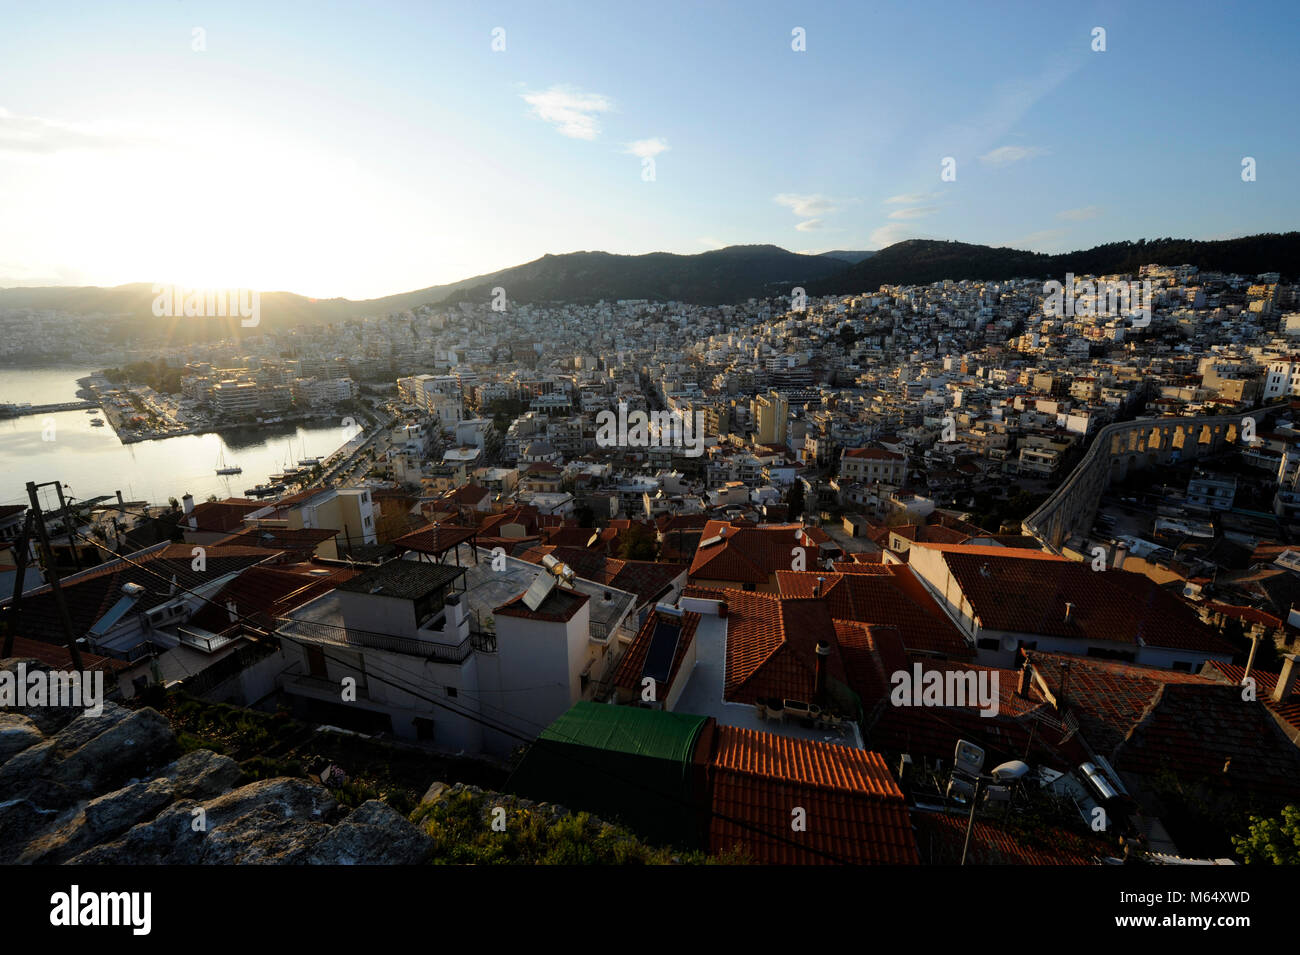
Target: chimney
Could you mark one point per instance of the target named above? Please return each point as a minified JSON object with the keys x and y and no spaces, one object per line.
{"x":819,"y":693}
{"x":817,"y":591}
{"x":1025,"y":680}
{"x":187,"y":502}
{"x":1121,"y":554}
{"x":1069,"y":609}
{"x":1286,"y":682}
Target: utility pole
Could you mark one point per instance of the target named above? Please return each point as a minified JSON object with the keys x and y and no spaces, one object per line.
{"x":52,"y":571}
{"x":21,"y":554}
{"x":67,"y":526}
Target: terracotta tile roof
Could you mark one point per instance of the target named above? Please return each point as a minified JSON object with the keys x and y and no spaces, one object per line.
{"x":861,"y":564}
{"x":54,"y":655}
{"x":816,"y":536}
{"x":748,"y":555}
{"x":1248,"y":614}
{"x":632,"y":666}
{"x":1288,"y":710}
{"x":227,"y":515}
{"x":854,"y":811}
{"x":302,"y":541}
{"x":1108,"y":697}
{"x":940,"y":838}
{"x":435,"y":539}
{"x":894,"y":597}
{"x":873,"y":454}
{"x":1207,"y":734}
{"x":1026,"y":592}
{"x":771,"y":646}
{"x":261,"y":594}
{"x":871,"y":655}
{"x":92,"y":594}
{"x":668,"y":523}
{"x":930,"y":533}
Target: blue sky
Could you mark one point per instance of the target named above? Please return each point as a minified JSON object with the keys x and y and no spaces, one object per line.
{"x":365,"y":149}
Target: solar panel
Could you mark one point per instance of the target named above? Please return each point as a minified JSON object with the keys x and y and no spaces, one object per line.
{"x":538,"y":591}
{"x":663,"y":647}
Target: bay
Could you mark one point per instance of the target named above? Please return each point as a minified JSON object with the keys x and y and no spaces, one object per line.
{"x":65,"y":447}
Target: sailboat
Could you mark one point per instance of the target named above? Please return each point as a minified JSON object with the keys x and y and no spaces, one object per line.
{"x":223,"y":468}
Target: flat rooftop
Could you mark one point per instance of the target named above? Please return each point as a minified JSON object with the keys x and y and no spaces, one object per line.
{"x":487,"y":589}
{"x":407,"y":579}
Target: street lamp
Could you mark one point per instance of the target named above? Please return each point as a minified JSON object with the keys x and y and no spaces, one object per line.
{"x":967,"y":780}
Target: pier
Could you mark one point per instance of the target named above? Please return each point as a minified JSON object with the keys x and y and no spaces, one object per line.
{"x":20,"y":411}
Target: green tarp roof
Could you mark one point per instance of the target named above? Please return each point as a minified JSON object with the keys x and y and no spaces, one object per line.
{"x":628,"y":729}
{"x":623,"y":763}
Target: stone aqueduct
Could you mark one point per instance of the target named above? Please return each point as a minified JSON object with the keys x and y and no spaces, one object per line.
{"x":1117,"y":449}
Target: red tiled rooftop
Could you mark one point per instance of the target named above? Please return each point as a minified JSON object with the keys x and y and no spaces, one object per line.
{"x":1024,"y":591}
{"x":630,"y":668}
{"x":435,"y":539}
{"x":747,"y":555}
{"x":854,"y":811}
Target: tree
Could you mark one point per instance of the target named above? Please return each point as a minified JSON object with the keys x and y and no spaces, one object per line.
{"x":1275,"y":841}
{"x":638,"y":543}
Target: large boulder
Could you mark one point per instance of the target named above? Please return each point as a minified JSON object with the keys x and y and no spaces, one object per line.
{"x":373,"y":834}
{"x":200,"y":774}
{"x":89,"y":756}
{"x":17,"y":732}
{"x":48,"y":719}
{"x":269,"y":821}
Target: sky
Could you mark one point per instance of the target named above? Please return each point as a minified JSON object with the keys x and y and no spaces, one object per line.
{"x":365,"y":149}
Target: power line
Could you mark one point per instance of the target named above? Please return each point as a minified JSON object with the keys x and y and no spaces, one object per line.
{"x":506,"y":731}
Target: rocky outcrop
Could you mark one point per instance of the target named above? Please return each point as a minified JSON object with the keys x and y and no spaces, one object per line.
{"x":109,"y":789}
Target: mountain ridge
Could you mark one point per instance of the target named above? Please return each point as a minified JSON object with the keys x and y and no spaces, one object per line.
{"x":728,"y":275}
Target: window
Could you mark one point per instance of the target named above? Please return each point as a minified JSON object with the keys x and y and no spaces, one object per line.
{"x":423,"y":728}
{"x":452,"y":691}
{"x":989,"y":643}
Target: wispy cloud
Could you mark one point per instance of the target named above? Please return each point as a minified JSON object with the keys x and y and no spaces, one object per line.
{"x":1080,"y":214}
{"x":572,"y":112}
{"x":647,"y":147}
{"x":911,"y":198}
{"x":1005,"y":154}
{"x":915,"y":212}
{"x":806,"y":205}
{"x":31,"y":134}
{"x":811,"y":207}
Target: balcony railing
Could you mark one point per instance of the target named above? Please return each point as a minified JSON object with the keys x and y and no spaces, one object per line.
{"x":368,"y":639}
